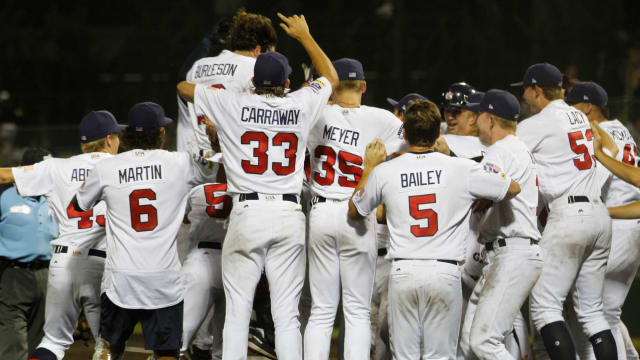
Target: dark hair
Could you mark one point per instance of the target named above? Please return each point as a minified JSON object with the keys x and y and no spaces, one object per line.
{"x":270,"y":90}
{"x":147,"y":140}
{"x":33,"y":155}
{"x":422,"y":123}
{"x":250,"y":30}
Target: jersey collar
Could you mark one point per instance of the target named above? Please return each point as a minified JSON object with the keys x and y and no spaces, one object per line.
{"x":421,"y":152}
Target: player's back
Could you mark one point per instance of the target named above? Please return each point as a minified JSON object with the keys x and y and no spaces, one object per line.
{"x":263,"y":137}
{"x":58,"y":180}
{"x":337,"y":144}
{"x":210,"y":206}
{"x":561,"y":141}
{"x":428,"y":199}
{"x":618,"y":192}
{"x":227,"y":70}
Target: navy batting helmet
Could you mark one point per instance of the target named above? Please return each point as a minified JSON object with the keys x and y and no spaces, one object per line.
{"x":456,"y":95}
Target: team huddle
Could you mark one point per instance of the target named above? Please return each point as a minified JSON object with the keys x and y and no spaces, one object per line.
{"x":430,"y":226}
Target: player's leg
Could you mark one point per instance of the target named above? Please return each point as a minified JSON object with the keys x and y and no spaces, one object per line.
{"x":116,"y":325}
{"x":564,"y":243}
{"x":381,"y":334}
{"x":89,"y":292}
{"x":440,"y":289}
{"x":630,"y":349}
{"x":197,"y":273}
{"x":404,"y":312}
{"x":285,"y":266}
{"x":520,"y":335}
{"x":589,"y":285}
{"x":217,"y":324}
{"x":162,"y":330}
{"x":243,"y":256}
{"x":324,"y":282}
{"x":63,"y":305}
{"x":35,"y":321}
{"x":508,"y":278}
{"x":357,"y":253}
{"x":464,"y":345}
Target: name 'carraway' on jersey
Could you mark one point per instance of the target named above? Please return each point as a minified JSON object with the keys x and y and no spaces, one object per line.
{"x":270,"y":116}
{"x":140,"y":173}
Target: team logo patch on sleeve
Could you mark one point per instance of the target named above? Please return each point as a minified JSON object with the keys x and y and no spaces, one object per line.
{"x":315,"y":86}
{"x":493,"y":168}
{"x":360,"y":193}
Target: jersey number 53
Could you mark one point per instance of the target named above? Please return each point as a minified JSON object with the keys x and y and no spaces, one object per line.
{"x":581,"y":148}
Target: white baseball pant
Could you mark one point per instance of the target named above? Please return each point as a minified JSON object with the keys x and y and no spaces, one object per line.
{"x":622,"y":267}
{"x":379,"y":305}
{"x":266,"y":233}
{"x":73,"y":286}
{"x":575,"y":245}
{"x":342,"y":256}
{"x":425,"y":305}
{"x":506,"y":281}
{"x":202,"y":271}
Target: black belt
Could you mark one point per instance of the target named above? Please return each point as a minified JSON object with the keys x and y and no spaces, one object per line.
{"x":452,"y":262}
{"x":382,"y":251}
{"x":33,"y":265}
{"x":255,"y":196}
{"x":209,"y":245}
{"x":579,"y":198}
{"x":503,"y":242}
{"x":318,"y":199}
{"x":62,"y":249}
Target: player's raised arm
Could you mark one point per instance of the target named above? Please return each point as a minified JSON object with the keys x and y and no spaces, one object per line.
{"x":626,"y":172}
{"x":186,"y":90}
{"x":296,"y":27}
{"x":374,"y":155}
{"x":629,"y":211}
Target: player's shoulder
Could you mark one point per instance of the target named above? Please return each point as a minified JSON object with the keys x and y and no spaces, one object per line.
{"x":612,"y":124}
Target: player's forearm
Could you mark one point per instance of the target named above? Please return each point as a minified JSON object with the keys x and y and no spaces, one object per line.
{"x":320,"y":60}
{"x":186,"y":90}
{"x":6,"y":176}
{"x":624,"y":171}
{"x":514,"y":189}
{"x":353,"y":212}
{"x":629,"y":211}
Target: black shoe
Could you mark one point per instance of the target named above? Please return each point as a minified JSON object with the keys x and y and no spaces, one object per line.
{"x":259,"y":344}
{"x":195,"y":353}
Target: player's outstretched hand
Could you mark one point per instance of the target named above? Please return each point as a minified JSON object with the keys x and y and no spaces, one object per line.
{"x":295,"y":26}
{"x":375,"y":154}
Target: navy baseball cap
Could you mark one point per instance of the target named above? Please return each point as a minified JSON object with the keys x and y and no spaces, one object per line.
{"x":499,"y":103}
{"x":403,"y":103}
{"x":349,"y":69}
{"x":97,"y":125}
{"x":474,"y":98}
{"x":587,"y":92}
{"x":271,"y":69}
{"x":543,"y":75}
{"x":147,"y":116}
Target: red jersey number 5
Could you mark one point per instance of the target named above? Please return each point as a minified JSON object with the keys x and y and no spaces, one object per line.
{"x":420,"y":214}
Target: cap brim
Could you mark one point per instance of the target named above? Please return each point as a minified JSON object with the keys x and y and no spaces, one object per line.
{"x":517,"y":84}
{"x":392,"y":102}
{"x":166,"y":121}
{"x":474,"y":107}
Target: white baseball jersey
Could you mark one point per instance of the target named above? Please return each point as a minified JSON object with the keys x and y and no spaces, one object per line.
{"x":229,"y":71}
{"x":59,"y":180}
{"x":337,"y":144}
{"x":561,"y":141}
{"x":428,"y":197}
{"x":208,"y":208}
{"x":467,"y":147}
{"x":263,"y":138}
{"x":616,"y":191}
{"x":145,"y":192}
{"x":515,"y":217}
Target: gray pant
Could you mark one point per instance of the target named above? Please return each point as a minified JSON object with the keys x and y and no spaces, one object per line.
{"x":22,"y":299}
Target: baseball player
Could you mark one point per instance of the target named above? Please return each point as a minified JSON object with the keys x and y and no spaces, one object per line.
{"x":622,"y":266}
{"x":461,"y":123}
{"x":508,"y":231}
{"x":342,"y":254}
{"x":577,"y":235}
{"x":400,"y":106}
{"x":263,"y":136}
{"x":209,"y":206}
{"x":145,"y":190}
{"x":75,"y":270}
{"x":428,"y":197}
{"x":249,"y":35}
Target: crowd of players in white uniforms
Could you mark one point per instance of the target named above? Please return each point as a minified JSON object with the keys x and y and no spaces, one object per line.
{"x":431,"y":225}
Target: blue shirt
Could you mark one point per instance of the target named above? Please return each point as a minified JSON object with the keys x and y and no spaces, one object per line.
{"x":26,"y":226}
